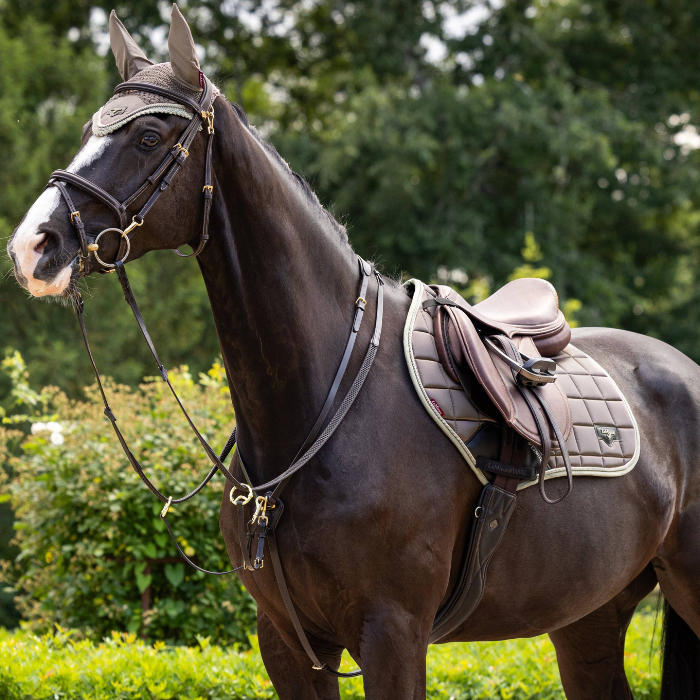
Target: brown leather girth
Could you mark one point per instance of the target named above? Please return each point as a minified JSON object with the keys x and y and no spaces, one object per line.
{"x":491,"y":516}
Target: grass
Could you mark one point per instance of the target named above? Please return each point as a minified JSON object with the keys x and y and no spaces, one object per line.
{"x":61,"y":667}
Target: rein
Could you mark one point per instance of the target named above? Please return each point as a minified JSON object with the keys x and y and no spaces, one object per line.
{"x":267,"y":496}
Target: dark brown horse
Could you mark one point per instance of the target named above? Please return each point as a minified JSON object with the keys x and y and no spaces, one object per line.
{"x":375,"y":525}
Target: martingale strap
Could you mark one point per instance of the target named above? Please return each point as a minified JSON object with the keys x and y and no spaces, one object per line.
{"x":313,"y":443}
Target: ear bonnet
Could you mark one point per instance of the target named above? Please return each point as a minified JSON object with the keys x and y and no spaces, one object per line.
{"x":126,"y":106}
{"x":182,"y":76}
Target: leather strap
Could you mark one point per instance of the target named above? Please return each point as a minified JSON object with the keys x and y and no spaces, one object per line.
{"x":91,"y":188}
{"x":208,"y":193}
{"x":318,"y":665}
{"x":75,"y":220}
{"x":511,"y":349}
{"x":163,"y":92}
{"x":170,"y":165}
{"x":360,"y":304}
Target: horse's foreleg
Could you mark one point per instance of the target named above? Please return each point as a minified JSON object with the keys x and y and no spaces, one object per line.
{"x":290,"y":669}
{"x":392,"y":650}
{"x":590,"y":651}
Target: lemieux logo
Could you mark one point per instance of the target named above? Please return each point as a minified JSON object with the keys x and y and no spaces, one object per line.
{"x":608,"y":434}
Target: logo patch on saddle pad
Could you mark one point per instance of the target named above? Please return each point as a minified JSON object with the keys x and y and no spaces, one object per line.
{"x":608,"y":434}
{"x":437,"y":407}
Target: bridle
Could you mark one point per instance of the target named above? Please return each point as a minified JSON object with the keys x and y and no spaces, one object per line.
{"x":165,"y":173}
{"x":269,"y":507}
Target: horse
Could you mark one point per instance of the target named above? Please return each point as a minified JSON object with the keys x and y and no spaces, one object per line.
{"x":375,"y":525}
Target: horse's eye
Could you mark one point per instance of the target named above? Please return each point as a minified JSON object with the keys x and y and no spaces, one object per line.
{"x":149,"y":141}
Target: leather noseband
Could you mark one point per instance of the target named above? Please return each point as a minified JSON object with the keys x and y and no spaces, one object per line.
{"x":165,"y":173}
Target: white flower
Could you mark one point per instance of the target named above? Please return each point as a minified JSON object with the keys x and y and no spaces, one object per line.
{"x":38,"y":427}
{"x":54,"y":427}
{"x":56,"y":438}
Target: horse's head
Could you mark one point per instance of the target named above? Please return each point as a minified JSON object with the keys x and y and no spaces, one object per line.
{"x":129,"y":148}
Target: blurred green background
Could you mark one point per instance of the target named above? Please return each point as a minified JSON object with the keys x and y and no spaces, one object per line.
{"x":463,"y":141}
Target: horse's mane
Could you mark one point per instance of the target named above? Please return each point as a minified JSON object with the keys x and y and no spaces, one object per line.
{"x":300,"y":181}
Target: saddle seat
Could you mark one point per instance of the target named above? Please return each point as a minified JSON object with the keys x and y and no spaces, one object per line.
{"x":527,"y":312}
{"x":527,"y":307}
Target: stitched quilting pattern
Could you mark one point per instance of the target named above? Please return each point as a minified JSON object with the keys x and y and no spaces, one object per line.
{"x":446,"y":395}
{"x":595,"y":400}
{"x":597,"y":406}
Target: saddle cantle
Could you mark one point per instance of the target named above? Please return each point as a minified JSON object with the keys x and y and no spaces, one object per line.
{"x":472,"y":395}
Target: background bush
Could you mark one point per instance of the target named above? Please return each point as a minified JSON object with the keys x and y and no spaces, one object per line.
{"x":93,"y":552}
{"x":122,"y":668}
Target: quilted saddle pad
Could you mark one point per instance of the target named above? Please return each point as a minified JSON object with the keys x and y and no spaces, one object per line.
{"x":604,"y":439}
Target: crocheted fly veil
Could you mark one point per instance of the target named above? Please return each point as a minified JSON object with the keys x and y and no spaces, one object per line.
{"x":181,"y":75}
{"x":126,"y":106}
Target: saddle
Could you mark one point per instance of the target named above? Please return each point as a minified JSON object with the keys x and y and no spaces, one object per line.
{"x":520,"y":403}
{"x":525,"y":312}
{"x":494,"y":348}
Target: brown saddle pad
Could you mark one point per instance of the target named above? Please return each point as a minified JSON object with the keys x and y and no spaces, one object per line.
{"x":601,"y":434}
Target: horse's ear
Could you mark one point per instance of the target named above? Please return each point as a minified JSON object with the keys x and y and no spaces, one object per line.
{"x":183,"y":55}
{"x":129,"y":57}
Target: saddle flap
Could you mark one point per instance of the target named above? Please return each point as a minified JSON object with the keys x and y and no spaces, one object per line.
{"x":496,"y":377}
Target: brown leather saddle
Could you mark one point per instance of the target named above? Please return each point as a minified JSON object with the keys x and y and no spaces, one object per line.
{"x":494,"y":350}
{"x":520,"y":403}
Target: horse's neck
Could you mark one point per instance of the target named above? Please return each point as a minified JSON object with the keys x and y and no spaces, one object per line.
{"x":281,"y":283}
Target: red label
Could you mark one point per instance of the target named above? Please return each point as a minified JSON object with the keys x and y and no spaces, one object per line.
{"x":201,"y":80}
{"x":437,"y":407}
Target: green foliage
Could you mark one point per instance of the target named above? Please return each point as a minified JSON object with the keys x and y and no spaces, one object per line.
{"x":572,"y":122}
{"x":122,"y":667}
{"x":93,"y":551}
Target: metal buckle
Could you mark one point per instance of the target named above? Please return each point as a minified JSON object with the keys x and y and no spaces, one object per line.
{"x":208,"y":187}
{"x":164,"y":512}
{"x":361,"y":300}
{"x":74,"y":213}
{"x":180,"y":148}
{"x":241,"y":500}
{"x":134,"y":224}
{"x":209,"y":118}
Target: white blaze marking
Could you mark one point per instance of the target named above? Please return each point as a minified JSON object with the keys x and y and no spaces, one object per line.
{"x":28,"y":235}
{"x":89,"y":153}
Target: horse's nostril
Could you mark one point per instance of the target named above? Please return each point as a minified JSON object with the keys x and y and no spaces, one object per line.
{"x":39,"y":247}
